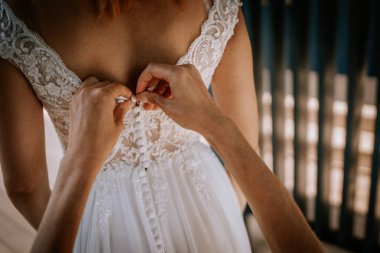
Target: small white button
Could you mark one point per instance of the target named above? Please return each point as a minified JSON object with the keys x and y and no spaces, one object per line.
{"x":136,"y":109}
{"x":144,"y":157}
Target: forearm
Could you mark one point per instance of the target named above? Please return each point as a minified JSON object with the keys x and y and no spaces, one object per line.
{"x":32,"y":205}
{"x":277,"y":214}
{"x":241,"y":198}
{"x":61,"y":220}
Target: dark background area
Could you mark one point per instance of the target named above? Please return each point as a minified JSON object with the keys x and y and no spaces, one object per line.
{"x":316,"y":65}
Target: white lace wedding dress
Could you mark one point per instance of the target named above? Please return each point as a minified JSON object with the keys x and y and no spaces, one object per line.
{"x":161,"y":189}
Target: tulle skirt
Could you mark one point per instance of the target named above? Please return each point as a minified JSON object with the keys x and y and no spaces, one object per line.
{"x":183,"y":204}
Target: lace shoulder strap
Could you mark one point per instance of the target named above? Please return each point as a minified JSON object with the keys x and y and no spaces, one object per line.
{"x":207,"y":50}
{"x":52,"y":81}
{"x":9,"y":34}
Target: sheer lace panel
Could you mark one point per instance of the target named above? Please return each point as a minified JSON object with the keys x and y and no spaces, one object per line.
{"x":148,"y":136}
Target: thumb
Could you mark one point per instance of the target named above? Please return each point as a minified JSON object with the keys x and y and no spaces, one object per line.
{"x":121,"y":110}
{"x":152,"y":98}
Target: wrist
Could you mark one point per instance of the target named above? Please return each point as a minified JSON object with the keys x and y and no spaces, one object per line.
{"x":217,"y":127}
{"x":80,"y":164}
{"x":86,"y":153}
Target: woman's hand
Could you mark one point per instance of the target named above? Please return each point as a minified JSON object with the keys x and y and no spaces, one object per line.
{"x":182,"y":95}
{"x":192,"y":107}
{"x":96,"y":121}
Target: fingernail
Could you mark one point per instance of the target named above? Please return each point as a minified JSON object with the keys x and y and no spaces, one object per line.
{"x":152,"y":88}
{"x":121,"y":99}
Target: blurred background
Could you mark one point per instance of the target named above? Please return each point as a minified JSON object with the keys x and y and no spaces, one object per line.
{"x":316,"y":76}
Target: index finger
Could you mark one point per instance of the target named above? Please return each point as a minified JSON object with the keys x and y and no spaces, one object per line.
{"x":88,"y":82}
{"x":118,"y":89}
{"x":154,"y":71}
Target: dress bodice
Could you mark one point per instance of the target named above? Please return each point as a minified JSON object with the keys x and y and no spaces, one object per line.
{"x":148,"y":135}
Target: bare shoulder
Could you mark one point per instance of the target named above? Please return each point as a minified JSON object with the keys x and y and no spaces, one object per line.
{"x":14,"y":86}
{"x":21,"y":115}
{"x":238,"y":49}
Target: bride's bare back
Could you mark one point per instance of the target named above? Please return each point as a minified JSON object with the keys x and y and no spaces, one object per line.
{"x":115,"y":48}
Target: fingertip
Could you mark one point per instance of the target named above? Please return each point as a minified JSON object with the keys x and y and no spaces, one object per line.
{"x":151,"y":72}
{"x":140,"y":96}
{"x":123,"y":88}
{"x":140,"y":86}
{"x":126,"y":89}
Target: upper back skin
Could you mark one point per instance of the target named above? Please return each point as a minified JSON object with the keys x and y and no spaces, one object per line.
{"x":114,"y":48}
